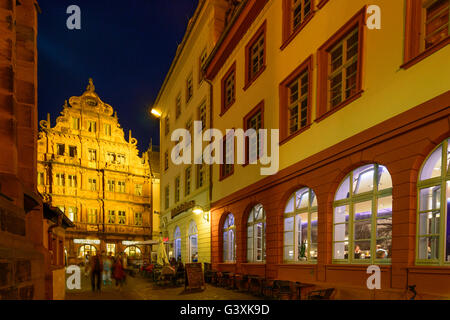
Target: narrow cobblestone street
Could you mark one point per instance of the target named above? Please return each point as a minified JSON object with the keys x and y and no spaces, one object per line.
{"x":138,"y":288}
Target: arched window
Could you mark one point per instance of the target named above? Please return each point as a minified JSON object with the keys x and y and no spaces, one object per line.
{"x":362,"y":223}
{"x":87,"y":250}
{"x":193,"y":241}
{"x":300,"y":227}
{"x":177,"y":243}
{"x":433,"y":218}
{"x":229,"y":239}
{"x":256,"y":234}
{"x":133,"y":252}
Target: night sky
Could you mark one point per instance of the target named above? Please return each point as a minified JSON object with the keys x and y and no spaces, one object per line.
{"x":125,"y":46}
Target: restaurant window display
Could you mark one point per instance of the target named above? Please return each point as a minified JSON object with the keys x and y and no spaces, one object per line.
{"x":87,"y":250}
{"x":433,"y":219}
{"x":111,"y":249}
{"x":177,"y":243}
{"x":256,"y":234}
{"x":362,"y":220}
{"x":193,"y":242}
{"x":300,"y":227}
{"x":133,"y":252}
{"x":229,"y":239}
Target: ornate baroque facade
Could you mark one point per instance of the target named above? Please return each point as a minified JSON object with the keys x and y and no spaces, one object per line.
{"x":97,"y":178}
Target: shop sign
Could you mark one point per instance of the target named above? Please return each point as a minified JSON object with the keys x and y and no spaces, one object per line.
{"x":86,"y":241}
{"x":183,"y":207}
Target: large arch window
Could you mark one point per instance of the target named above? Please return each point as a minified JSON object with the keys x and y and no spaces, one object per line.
{"x":362,"y":222}
{"x":300,"y":227}
{"x":229,"y":239}
{"x":433,"y":218}
{"x":133,"y":252}
{"x":193,"y":241}
{"x":87,"y":250}
{"x":256,"y":234}
{"x":177,"y":243}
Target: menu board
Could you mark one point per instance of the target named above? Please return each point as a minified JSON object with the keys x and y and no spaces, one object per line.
{"x":194,"y":276}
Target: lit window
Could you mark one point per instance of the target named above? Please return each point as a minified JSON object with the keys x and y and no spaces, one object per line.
{"x":433,"y":240}
{"x":72,"y":214}
{"x":300,"y":227}
{"x":256,"y":234}
{"x":87,"y":250}
{"x":133,"y":252}
{"x":229,"y":239}
{"x":111,"y":249}
{"x":193,"y":242}
{"x":363,"y":216}
{"x":177,"y":243}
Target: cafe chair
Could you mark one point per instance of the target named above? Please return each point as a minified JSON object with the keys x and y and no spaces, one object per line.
{"x":323,"y":294}
{"x":283,"y":289}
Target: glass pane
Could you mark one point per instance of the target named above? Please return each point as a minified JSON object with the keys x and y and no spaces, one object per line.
{"x":288,"y":238}
{"x":341,"y":214}
{"x":363,"y":210}
{"x":302,"y":198}
{"x":289,"y":253}
{"x":313,"y":251}
{"x":384,"y":178}
{"x":447,"y":242}
{"x":314,"y":227}
{"x":448,"y":155}
{"x":430,"y":198}
{"x":363,"y":179}
{"x":341,"y":232}
{"x":249,"y":254}
{"x":384,"y":207}
{"x":433,"y":164}
{"x":250,"y":217}
{"x":289,"y":224}
{"x":314,"y":199}
{"x":340,"y":250}
{"x":250,"y":232}
{"x":362,"y":249}
{"x":344,"y":190}
{"x":429,"y":248}
{"x":384,"y":247}
{"x":290,"y":206}
{"x":429,"y":223}
{"x":363,"y":229}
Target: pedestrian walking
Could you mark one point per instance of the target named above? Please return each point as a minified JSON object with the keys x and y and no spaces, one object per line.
{"x":118,"y":273}
{"x":96,"y":267}
{"x":107,"y":266}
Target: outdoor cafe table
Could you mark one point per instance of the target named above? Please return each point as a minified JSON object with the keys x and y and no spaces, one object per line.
{"x":299,"y":286}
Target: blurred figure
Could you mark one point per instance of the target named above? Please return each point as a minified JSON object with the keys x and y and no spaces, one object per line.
{"x":118,"y":272}
{"x":96,"y":266}
{"x":107,"y":266}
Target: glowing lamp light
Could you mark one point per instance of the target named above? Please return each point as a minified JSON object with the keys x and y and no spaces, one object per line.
{"x":197,"y":210}
{"x":156,"y":113}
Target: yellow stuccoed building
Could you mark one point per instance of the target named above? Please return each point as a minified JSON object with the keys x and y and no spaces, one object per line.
{"x":90,"y":171}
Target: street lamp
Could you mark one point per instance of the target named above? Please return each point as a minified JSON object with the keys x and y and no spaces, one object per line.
{"x":156,"y":113}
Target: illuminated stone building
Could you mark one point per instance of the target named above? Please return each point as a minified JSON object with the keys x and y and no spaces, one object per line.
{"x":364,"y":162}
{"x":90,"y":171}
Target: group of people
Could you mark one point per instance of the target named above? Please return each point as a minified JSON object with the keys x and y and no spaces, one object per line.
{"x":102,"y":268}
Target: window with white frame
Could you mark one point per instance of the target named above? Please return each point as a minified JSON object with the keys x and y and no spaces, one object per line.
{"x":60,"y":179}
{"x":229,"y":239}
{"x":433,"y":218}
{"x":362,"y":222}
{"x":193,"y":242}
{"x":177,"y":243}
{"x":300,"y":227}
{"x":256,"y":234}
{"x":72,"y":180}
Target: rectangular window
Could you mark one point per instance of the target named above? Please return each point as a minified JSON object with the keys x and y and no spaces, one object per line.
{"x":76,"y":123}
{"x":166,"y":160}
{"x":189,"y":128}
{"x":178,"y":106}
{"x":187,"y":181}
{"x":138,"y":189}
{"x":111,"y":249}
{"x":296,"y":14}
{"x":121,"y":186}
{"x":166,"y":197}
{"x":166,"y":125}
{"x":92,"y":155}
{"x":202,"y":63}
{"x":202,"y":115}
{"x":107,"y":130}
{"x":110,"y":157}
{"x":138,"y":220}
{"x":111,"y":217}
{"x":295,"y":100}
{"x":229,"y":88}
{"x":427,"y":29}
{"x":92,"y":216}
{"x":121,"y":159}
{"x":227,"y":168}
{"x":60,"y":179}
{"x":254,"y":120}
{"x":122,"y":217}
{"x":72,"y":181}
{"x":111,"y":185}
{"x":189,"y":88}
{"x":92,"y":126}
{"x":72,"y":151}
{"x":92,"y":184}
{"x":340,"y":67}
{"x":40,"y":179}
{"x":256,"y":56}
{"x":177,"y":189}
{"x":72,"y":213}
{"x":201,"y":175}
{"x":60,"y":149}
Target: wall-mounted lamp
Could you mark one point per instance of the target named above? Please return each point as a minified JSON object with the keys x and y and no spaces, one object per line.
{"x":156,"y":113}
{"x":198,"y":210}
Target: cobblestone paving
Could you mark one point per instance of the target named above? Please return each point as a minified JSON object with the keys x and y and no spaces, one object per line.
{"x":138,"y":288}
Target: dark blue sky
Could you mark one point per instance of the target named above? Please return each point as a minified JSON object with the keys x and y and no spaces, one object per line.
{"x":125,"y":46}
